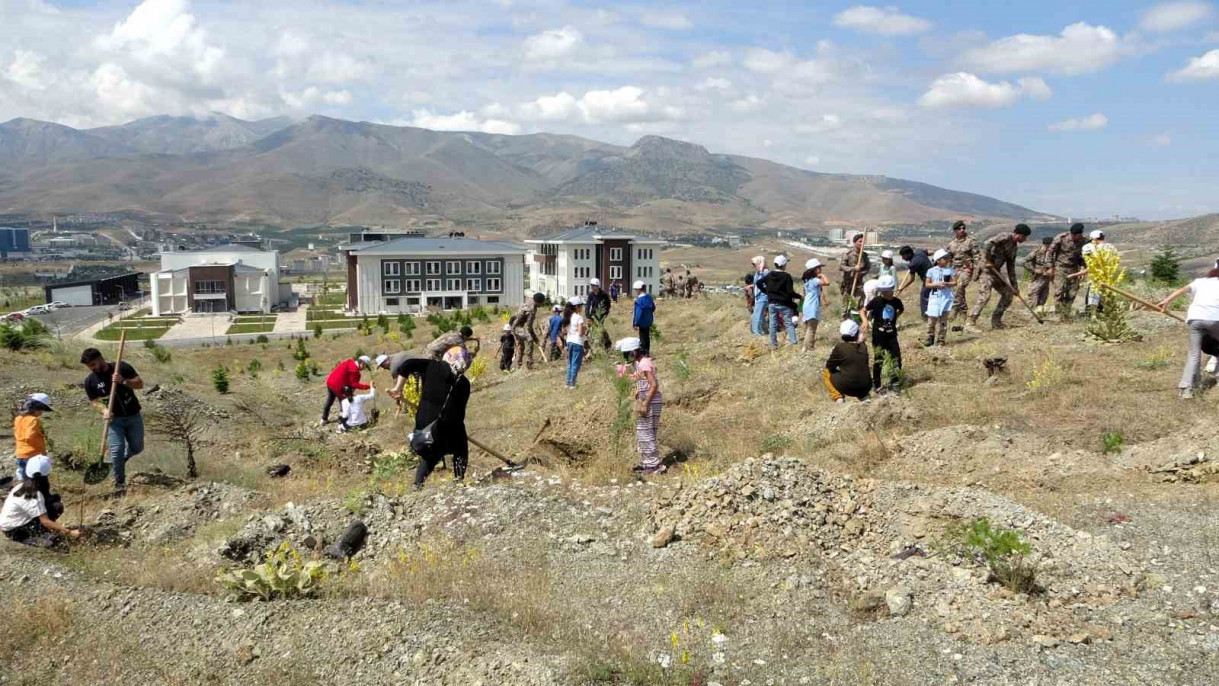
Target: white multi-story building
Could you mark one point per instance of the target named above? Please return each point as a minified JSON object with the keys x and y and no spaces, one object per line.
{"x":226,"y":278}
{"x":412,"y":274}
{"x":561,"y":266}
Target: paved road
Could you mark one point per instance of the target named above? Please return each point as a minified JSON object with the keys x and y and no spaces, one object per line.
{"x":69,"y":321}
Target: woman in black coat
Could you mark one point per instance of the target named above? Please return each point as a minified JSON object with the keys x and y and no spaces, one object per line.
{"x":443,"y":397}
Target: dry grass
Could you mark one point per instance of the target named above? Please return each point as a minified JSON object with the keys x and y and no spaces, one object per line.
{"x":166,"y":568}
{"x":29,"y":622}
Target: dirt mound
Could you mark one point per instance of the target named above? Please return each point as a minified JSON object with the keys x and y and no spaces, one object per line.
{"x":176,"y":513}
{"x":830,"y":422}
{"x":894,"y":539}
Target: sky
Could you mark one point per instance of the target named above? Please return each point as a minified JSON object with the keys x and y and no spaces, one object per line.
{"x":1086,"y":108}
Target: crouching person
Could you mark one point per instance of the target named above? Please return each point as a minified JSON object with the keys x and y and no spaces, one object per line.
{"x":30,"y":511}
{"x":352,"y":415}
{"x":847,"y":371}
{"x":440,"y":422}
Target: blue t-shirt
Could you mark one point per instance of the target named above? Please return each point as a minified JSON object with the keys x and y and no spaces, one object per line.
{"x":812,"y":299}
{"x":941,"y":274}
{"x":556,"y":322}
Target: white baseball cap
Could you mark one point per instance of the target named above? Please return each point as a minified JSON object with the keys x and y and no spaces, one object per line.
{"x":780,"y":260}
{"x":870,"y":285}
{"x":848,"y":328}
{"x":381,"y":359}
{"x":886,"y":283}
{"x":939,"y":254}
{"x":812,"y":264}
{"x":887,"y":255}
{"x":38,"y":465}
{"x":507,"y":327}
{"x":595,"y":282}
{"x":366,"y":360}
{"x":1096,"y":234}
{"x":628,"y":345}
{"x":558,"y":308}
{"x":639,"y":286}
{"x":576,"y":301}
{"x":42,"y":399}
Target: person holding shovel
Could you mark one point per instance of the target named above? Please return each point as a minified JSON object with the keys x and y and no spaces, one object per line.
{"x":1066,"y":255}
{"x":443,"y":397}
{"x":855,"y":267}
{"x":964,"y":252}
{"x":1203,"y":321}
{"x":125,"y":436}
{"x":999,"y":253}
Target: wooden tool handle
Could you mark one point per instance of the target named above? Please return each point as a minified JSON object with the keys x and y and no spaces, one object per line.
{"x":113,"y":391}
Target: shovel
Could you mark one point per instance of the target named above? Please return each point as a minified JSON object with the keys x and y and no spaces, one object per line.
{"x":1016,"y":293}
{"x":100,"y":470}
{"x":509,"y":465}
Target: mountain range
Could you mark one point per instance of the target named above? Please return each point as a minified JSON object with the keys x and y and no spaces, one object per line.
{"x":330,"y":171}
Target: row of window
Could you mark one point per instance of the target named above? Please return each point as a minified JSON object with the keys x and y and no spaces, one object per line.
{"x":583,"y":272}
{"x":583,"y":253}
{"x":210,"y":287}
{"x":494,"y":285}
{"x":437,"y":302}
{"x":615,"y":255}
{"x":646,"y":253}
{"x":643,"y":272}
{"x":451,"y":267}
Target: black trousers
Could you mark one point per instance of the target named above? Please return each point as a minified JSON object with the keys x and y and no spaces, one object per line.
{"x":505,"y":359}
{"x":645,"y":338}
{"x":457,"y":446}
{"x":880,"y":345}
{"x":330,"y":398}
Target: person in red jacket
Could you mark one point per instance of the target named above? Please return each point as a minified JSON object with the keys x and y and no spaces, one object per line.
{"x":345,"y":373}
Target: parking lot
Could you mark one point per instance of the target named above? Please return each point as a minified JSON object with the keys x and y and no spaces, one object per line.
{"x":69,"y":321}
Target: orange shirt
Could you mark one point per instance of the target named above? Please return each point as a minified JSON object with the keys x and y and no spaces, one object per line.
{"x":27,"y":430}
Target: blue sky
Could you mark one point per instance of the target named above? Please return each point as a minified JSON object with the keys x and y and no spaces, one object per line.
{"x":1083,"y":108}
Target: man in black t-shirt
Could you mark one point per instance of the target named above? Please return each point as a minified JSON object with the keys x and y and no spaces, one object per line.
{"x":126,"y":434}
{"x":881,"y":313}
{"x":918,"y":263}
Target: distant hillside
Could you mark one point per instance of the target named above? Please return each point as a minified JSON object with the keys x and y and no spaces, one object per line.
{"x":324,"y":170}
{"x":1203,"y":230}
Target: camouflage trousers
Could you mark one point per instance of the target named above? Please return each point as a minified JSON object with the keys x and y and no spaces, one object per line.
{"x":964,"y":278}
{"x":1039,"y":290}
{"x":986,"y":284}
{"x":1065,"y":296}
{"x":524,"y":350}
{"x":845,"y":289}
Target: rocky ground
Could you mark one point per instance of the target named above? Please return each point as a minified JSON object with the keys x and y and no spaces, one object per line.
{"x":833,"y":555}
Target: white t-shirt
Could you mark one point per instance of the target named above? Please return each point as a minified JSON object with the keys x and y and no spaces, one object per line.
{"x":353,"y":410}
{"x":19,"y":511}
{"x":1205,"y":306}
{"x":573,"y":329}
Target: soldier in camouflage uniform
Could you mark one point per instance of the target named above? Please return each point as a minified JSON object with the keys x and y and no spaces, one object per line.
{"x":964,"y":251}
{"x":437,"y":348}
{"x":1039,"y":264}
{"x":1066,"y":255}
{"x":850,"y":268}
{"x":524,"y":332}
{"x":998,"y":253}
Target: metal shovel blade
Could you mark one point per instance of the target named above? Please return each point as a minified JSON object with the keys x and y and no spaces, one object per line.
{"x":97,"y":472}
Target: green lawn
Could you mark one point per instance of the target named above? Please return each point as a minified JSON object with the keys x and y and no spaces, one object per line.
{"x":252,"y":327}
{"x":255,"y":319}
{"x":323,"y":315}
{"x":111,"y":333}
{"x":339,"y":299}
{"x":336,"y":324}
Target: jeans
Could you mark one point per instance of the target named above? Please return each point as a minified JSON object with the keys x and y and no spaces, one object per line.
{"x":21,"y":469}
{"x":789,"y":321}
{"x":126,"y":439}
{"x":575,"y":356}
{"x":759,"y":313}
{"x":1198,"y":329}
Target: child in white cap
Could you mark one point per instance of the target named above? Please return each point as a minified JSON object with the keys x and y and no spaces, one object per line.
{"x":507,"y":347}
{"x":648,"y":404}
{"x":887,"y":267}
{"x":28,"y":433}
{"x":846,"y":371}
{"x":815,"y":282}
{"x":941,"y":280}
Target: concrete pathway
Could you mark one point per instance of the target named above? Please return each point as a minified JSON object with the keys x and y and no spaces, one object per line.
{"x":292,"y":322}
{"x":199,"y":326}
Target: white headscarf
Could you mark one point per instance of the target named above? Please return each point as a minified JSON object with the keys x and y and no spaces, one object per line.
{"x":759,"y":263}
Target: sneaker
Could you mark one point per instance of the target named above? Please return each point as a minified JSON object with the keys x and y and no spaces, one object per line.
{"x":658,"y":469}
{"x":997,"y":324}
{"x":1187,"y":394}
{"x":841,"y":400}
{"x":1213,"y":365}
{"x":929,"y":342}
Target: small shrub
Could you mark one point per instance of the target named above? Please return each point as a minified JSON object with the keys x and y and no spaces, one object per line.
{"x":161,"y":354}
{"x":356,"y":501}
{"x":389,"y":465}
{"x":1005,"y":553}
{"x":681,"y":368}
{"x":1165,"y":267}
{"x":1112,"y":442}
{"x":283,"y":575}
{"x":301,"y":353}
{"x":1048,"y":374}
{"x":302,"y":371}
{"x":1156,"y":360}
{"x":28,"y":335}
{"x":228,"y":340}
{"x":254,"y":367}
{"x":262,"y":339}
{"x":407,"y":326}
{"x":149,"y":344}
{"x":890,"y":370}
{"x":220,"y":379}
{"x":317,"y":330}
{"x":775,"y":443}
{"x":656,"y":334}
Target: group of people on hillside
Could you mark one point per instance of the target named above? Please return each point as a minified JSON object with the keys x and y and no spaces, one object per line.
{"x":684,"y":285}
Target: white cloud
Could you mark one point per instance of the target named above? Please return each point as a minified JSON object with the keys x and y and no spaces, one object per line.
{"x":826,"y":123}
{"x":553,"y":44}
{"x":812,"y":160}
{"x":713,"y":83}
{"x":625,"y":105}
{"x":715,"y":58}
{"x":1173,"y":16}
{"x":461,"y":121}
{"x":668,"y":20}
{"x":26,"y":70}
{"x":1080,"y":49}
{"x":749,"y":103}
{"x":336,"y":67}
{"x":548,"y":108}
{"x":764,"y":61}
{"x":963,"y":89}
{"x":1161,"y":140}
{"x":1202,"y":68}
{"x":887,"y":21}
{"x":1093,"y":122}
{"x":164,"y":36}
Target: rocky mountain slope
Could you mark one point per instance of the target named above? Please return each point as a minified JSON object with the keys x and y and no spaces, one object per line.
{"x":225,"y":169}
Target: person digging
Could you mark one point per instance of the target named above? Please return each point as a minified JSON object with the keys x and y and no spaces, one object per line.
{"x":999,"y":253}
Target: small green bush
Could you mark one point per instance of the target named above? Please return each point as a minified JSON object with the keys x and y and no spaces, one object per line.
{"x":283,"y":575}
{"x":220,"y":379}
{"x":1112,"y":442}
{"x":149,"y":344}
{"x":775,"y":443}
{"x":1005,"y":553}
{"x":262,"y":339}
{"x":317,"y":330}
{"x":254,"y":367}
{"x":301,"y":353}
{"x":356,"y":501}
{"x":302,"y":371}
{"x":28,"y":335}
{"x":682,"y":367}
{"x":160,"y":353}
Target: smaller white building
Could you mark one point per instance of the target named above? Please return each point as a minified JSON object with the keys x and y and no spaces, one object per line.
{"x":228,"y":278}
{"x":412,"y":274}
{"x":562,"y":265}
